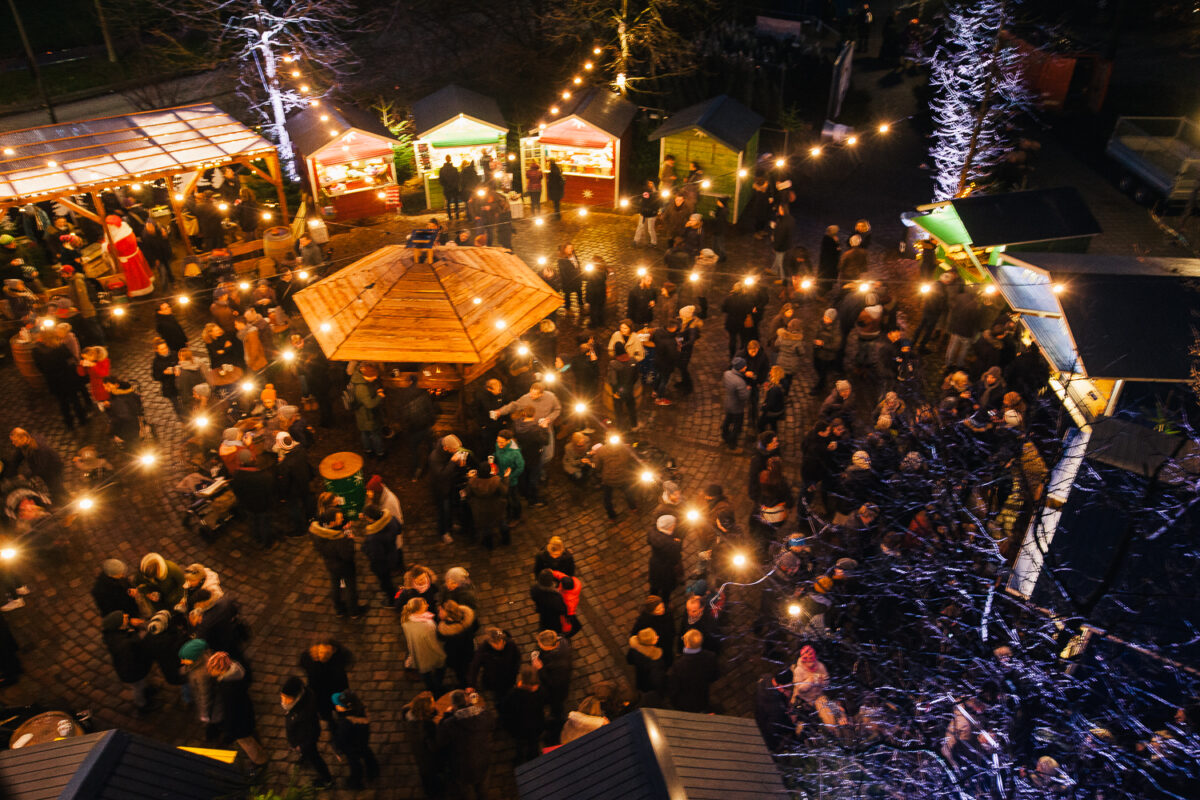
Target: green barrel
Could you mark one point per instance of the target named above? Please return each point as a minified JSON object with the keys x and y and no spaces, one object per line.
{"x":343,"y":475}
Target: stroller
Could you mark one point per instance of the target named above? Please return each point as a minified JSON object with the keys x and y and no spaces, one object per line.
{"x":209,"y":502}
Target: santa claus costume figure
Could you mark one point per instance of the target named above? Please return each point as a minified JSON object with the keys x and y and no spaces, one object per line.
{"x":124,"y":248}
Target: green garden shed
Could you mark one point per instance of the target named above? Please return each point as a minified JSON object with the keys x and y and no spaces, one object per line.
{"x":721,"y":135}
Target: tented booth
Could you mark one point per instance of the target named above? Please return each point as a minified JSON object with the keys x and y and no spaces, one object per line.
{"x":458,"y":123}
{"x":348,"y":158}
{"x":589,"y":140}
{"x":721,"y":135}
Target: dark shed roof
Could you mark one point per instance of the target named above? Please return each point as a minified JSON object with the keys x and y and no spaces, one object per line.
{"x":655,"y":754}
{"x":601,"y":109}
{"x":448,"y":102}
{"x":1039,"y":215}
{"x":1133,"y":327}
{"x":722,"y":118}
{"x":310,"y":133}
{"x":113,"y":765}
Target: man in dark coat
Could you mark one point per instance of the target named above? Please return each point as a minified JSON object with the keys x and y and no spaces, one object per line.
{"x":554,"y":662}
{"x":40,"y":458}
{"x":449,"y":179}
{"x":831,"y":251}
{"x":495,"y":665}
{"x":465,"y":735}
{"x":335,"y":546}
{"x":689,"y":678}
{"x":58,"y":366}
{"x":697,"y":616}
{"x":254,"y":489}
{"x":113,"y":590}
{"x":642,"y":299}
{"x":772,"y":709}
{"x":741,"y":316}
{"x":549,"y":603}
{"x":666,"y":557}
{"x":208,"y":223}
{"x":293,"y":476}
{"x":303,"y":726}
{"x":129,"y":656}
{"x":523,"y":712}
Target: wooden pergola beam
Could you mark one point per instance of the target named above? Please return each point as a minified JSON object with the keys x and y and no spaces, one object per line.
{"x":80,"y":210}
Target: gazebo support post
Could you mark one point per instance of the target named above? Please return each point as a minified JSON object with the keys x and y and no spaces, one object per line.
{"x":107,"y":233}
{"x":177,"y":210}
{"x":277,"y":179}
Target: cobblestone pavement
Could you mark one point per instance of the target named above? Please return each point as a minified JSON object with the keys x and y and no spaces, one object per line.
{"x":284,"y":593}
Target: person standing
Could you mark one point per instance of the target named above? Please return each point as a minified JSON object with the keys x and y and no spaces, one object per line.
{"x":554,"y":662}
{"x":666,"y":174}
{"x":352,"y":738}
{"x":130,"y":658}
{"x":782,"y":228}
{"x":255,"y":491}
{"x":691,"y":676}
{"x":293,"y":482}
{"x":570,"y":277}
{"x":368,"y":396}
{"x":420,"y":636}
{"x":596,"y":290}
{"x":533,"y":187}
{"x":39,"y":458}
{"x":335,"y":546}
{"x":548,"y":602}
{"x":303,"y":727}
{"x":736,"y":394}
{"x":509,"y":465}
{"x":383,"y":546}
{"x":163,"y":368}
{"x":648,"y":207}
{"x":156,"y":247}
{"x":666,"y":557}
{"x":58,"y":366}
{"x":465,"y":734}
{"x":449,"y":179}
{"x":827,"y":345}
{"x":556,"y":187}
{"x":236,"y":710}
{"x":650,"y":671}
{"x":523,"y":712}
{"x":827,"y":264}
{"x":495,"y":664}
{"x":614,"y":463}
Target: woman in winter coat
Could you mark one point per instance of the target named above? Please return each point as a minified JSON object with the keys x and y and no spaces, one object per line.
{"x":774,"y":404}
{"x":352,"y":738}
{"x":654,"y":615}
{"x":325,"y":663}
{"x":647,"y":660}
{"x":456,"y":630}
{"x":420,"y":635}
{"x":633,"y":342}
{"x":222,"y":347}
{"x":166,"y":324}
{"x":95,"y":367}
{"x":124,"y":411}
{"x":419,"y":581}
{"x":253,"y":352}
{"x":585,"y":719}
{"x":160,"y":581}
{"x":556,"y":187}
{"x":193,"y":662}
{"x":420,"y":729}
{"x":827,"y":344}
{"x":554,"y":556}
{"x":789,"y":352}
{"x":236,"y":708}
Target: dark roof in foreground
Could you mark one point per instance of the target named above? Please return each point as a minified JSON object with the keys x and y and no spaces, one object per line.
{"x":113,"y":765}
{"x":310,"y":133}
{"x":448,"y":102}
{"x":601,"y":109}
{"x":1131,"y":326}
{"x":1038,"y":215}
{"x":722,"y":118}
{"x":656,"y":754}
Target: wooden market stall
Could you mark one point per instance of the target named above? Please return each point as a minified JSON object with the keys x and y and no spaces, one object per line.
{"x":721,"y":135}
{"x":458,"y":123}
{"x":348,"y":159}
{"x":446,"y":321}
{"x":589,"y":139}
{"x":72,"y":163}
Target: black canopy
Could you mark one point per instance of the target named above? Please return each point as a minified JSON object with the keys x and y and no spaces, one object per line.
{"x":1040,"y":215}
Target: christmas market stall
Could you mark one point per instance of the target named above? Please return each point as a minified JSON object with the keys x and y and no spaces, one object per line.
{"x":348,"y":159}
{"x":587,"y":135}
{"x":972,"y":231}
{"x":721,"y":136}
{"x":460,"y":124}
{"x":444,"y":322}
{"x":167,"y":152}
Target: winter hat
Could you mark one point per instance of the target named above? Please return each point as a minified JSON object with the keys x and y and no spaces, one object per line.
{"x":912,"y":461}
{"x":795,"y":540}
{"x":647,"y":637}
{"x":112,"y":621}
{"x":808,"y":650}
{"x":202,"y":390}
{"x":113,"y":567}
{"x":855,"y":240}
{"x":695,"y":218}
{"x":707,"y":252}
{"x":842,"y":385}
{"x":739,"y":364}
{"x":860,"y":460}
{"x":795,"y":326}
{"x":830,"y":314}
{"x":665,"y":524}
{"x":7,"y":240}
{"x":268,"y":394}
{"x":845,"y":564}
{"x":375,"y":485}
{"x":292,"y":687}
{"x":874,"y":311}
{"x":670,"y":487}
{"x":232,"y":435}
{"x":1012,"y":418}
{"x":788,"y":562}
{"x":994,"y":372}
{"x":451,"y":442}
{"x":823,"y":584}
{"x":687,"y":312}
{"x":158,"y":623}
{"x":192,"y":649}
{"x":338,"y":699}
{"x":67,"y":271}
{"x":284,"y":443}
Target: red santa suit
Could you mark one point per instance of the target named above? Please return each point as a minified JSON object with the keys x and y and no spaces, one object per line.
{"x":124,"y":248}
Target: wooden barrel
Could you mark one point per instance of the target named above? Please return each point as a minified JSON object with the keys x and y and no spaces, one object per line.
{"x":22,"y":353}
{"x":343,"y":475}
{"x":277,"y":242}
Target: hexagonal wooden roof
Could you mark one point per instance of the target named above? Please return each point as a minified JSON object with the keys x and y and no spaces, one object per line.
{"x":464,"y":308}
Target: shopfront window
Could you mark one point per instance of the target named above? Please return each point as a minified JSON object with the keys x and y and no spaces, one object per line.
{"x":596,"y":162}
{"x":355,"y":176}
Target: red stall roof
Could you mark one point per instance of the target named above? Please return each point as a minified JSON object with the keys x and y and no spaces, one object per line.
{"x":591,"y":118}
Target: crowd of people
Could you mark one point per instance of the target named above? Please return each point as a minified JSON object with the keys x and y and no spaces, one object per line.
{"x":866,"y":552}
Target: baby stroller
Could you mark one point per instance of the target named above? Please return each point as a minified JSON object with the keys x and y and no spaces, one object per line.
{"x":208,"y":502}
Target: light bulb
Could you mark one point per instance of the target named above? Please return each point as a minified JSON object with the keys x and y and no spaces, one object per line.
{"x":8,"y":553}
{"x":266,"y":215}
{"x":814,"y":151}
{"x":694,"y":277}
{"x":739,"y":560}
{"x":147,"y":459}
{"x":201,"y":421}
{"x":381,"y":195}
{"x":295,"y":73}
{"x":596,"y":51}
{"x":247,"y":386}
{"x":614,"y":438}
{"x":851,"y":140}
{"x":642,"y":272}
{"x":705,"y":184}
{"x":244,"y":286}
{"x":553,"y":109}
{"x":665,"y":193}
{"x":480,"y":192}
{"x":624,"y":202}
{"x":1058,"y":288}
{"x":566,"y":95}
{"x":86,"y":503}
{"x":523,"y":350}
{"x":477,"y":300}
{"x":748,"y":280}
{"x":806,"y":284}
{"x":135,"y":187}
{"x":222,"y":206}
{"x":314,"y":223}
{"x":577,"y":80}
{"x":325,"y":327}
{"x":324,"y":118}
{"x":580,"y":408}
{"x":119,"y":311}
{"x":539,"y":221}
{"x":864,"y":287}
{"x":588,"y":65}
{"x":549,"y":377}
{"x":647,"y":476}
{"x":583,"y":212}
{"x":178,"y":198}
{"x":541,"y":261}
{"x":692,"y":515}
{"x":794,"y":609}
{"x":781,"y":162}
{"x":501,"y":324}
{"x":743,"y":173}
{"x":289,"y":355}
{"x":304,"y":87}
{"x":8,"y":151}
{"x":183,"y":299}
{"x":512,"y":157}
{"x":302,"y":274}
{"x":884,"y":128}
{"x":990,"y":289}
{"x":47,"y":323}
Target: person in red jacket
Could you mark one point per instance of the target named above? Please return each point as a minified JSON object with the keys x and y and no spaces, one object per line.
{"x":570,"y":588}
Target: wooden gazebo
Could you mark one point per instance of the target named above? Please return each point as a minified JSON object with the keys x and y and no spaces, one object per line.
{"x":71,"y":160}
{"x":461,"y":310}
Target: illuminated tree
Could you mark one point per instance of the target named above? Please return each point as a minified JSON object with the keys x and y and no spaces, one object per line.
{"x":977,"y":92}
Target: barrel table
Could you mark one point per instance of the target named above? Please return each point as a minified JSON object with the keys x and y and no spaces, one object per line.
{"x":343,"y":475}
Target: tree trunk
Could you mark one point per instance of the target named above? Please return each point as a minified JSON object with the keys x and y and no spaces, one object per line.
{"x":623,"y":47}
{"x":275,"y":93}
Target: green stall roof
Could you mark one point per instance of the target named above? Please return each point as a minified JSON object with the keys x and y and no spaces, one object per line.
{"x":943,"y":224}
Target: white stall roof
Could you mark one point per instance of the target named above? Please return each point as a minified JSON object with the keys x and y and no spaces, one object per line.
{"x":56,"y":160}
